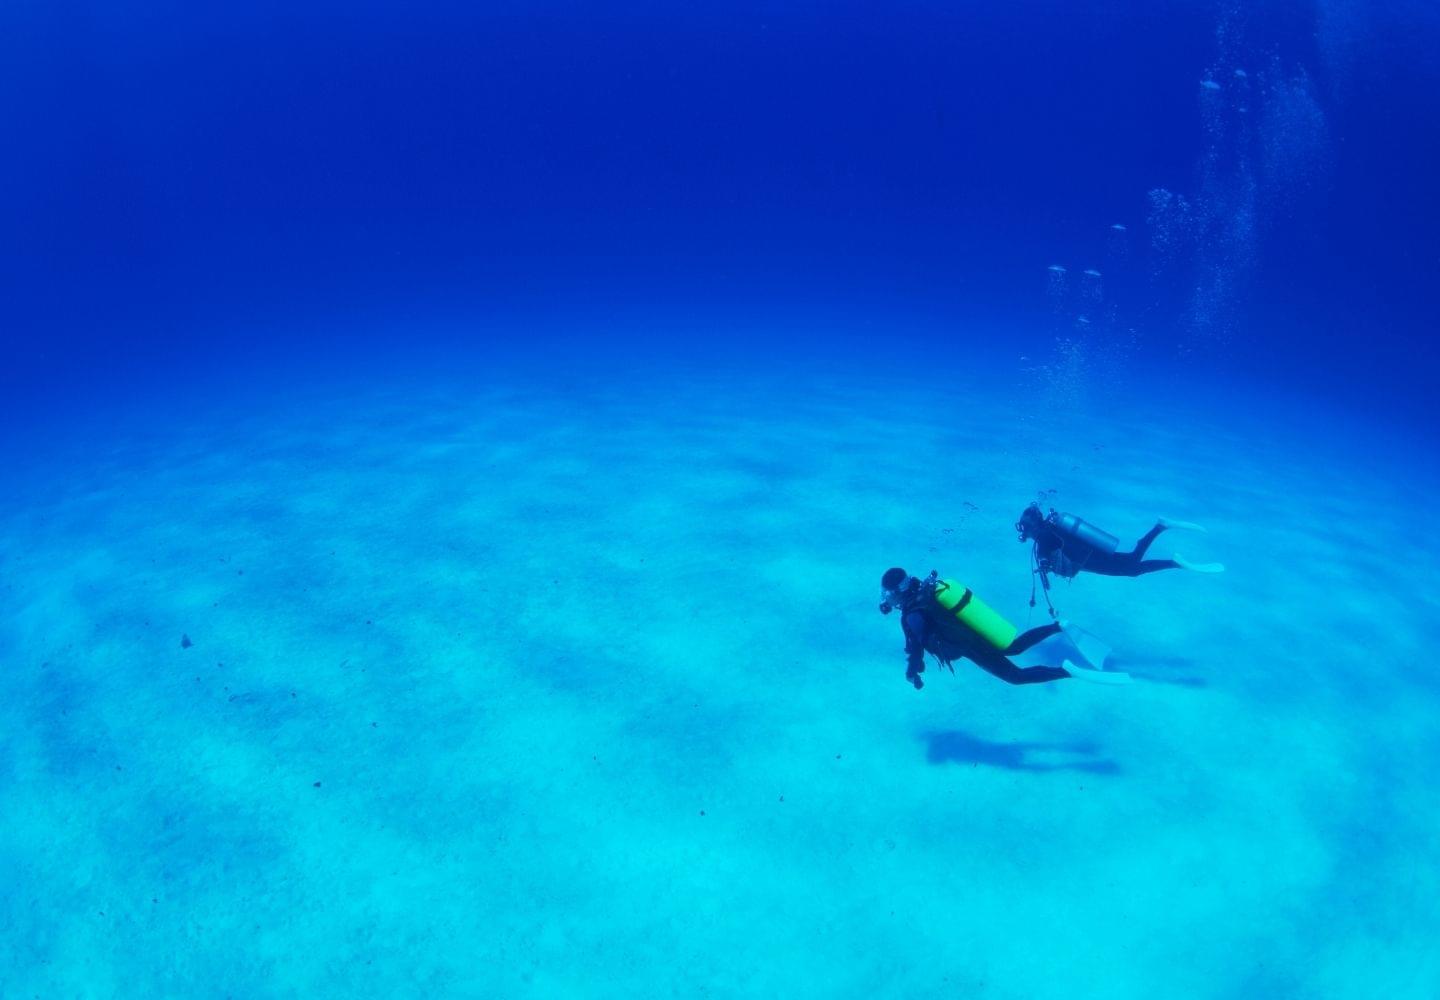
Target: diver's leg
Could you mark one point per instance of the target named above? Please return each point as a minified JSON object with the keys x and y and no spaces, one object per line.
{"x":1130,"y":563}
{"x":1122,"y":565}
{"x":1144,"y":543}
{"x":1025,"y":640}
{"x":994,"y":663}
{"x":1154,"y":566}
{"x":1112,"y":564}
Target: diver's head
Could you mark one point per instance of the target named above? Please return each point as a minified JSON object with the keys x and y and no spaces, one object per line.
{"x":897,"y":589}
{"x":1030,"y":521}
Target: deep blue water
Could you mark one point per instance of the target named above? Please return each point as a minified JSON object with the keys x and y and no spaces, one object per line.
{"x":180,"y":177}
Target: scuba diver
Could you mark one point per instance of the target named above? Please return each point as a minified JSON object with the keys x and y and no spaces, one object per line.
{"x":948,"y":621}
{"x":1066,"y":546}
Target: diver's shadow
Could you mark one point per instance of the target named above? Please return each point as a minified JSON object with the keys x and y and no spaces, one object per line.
{"x":956,"y":747}
{"x":1145,"y":668}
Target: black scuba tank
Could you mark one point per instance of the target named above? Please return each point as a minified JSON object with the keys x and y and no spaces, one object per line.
{"x":1074,"y":529}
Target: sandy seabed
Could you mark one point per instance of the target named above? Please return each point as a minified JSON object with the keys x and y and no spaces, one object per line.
{"x":562,"y":686}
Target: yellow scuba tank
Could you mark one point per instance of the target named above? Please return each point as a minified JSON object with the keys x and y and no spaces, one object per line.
{"x":975,"y":614}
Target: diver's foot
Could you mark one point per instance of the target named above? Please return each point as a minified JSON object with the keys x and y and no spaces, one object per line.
{"x":915,"y":679}
{"x":1170,"y":522}
{"x":1195,"y":567}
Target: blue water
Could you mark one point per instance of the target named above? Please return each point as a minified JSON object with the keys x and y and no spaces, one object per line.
{"x":450,"y":456}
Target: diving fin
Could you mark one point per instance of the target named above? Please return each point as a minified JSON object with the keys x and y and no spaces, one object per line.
{"x":1096,"y":676}
{"x":1092,"y":652}
{"x":1174,"y":525}
{"x":1194,"y":567}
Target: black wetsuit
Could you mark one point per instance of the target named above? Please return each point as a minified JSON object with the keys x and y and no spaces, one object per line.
{"x":1068,"y":556}
{"x":930,"y":629}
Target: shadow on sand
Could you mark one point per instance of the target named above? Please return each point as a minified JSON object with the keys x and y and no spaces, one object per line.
{"x":1159,"y":669}
{"x":956,"y":747}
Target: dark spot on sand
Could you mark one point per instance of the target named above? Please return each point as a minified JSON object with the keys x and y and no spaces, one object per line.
{"x":185,"y":642}
{"x":702,"y":812}
{"x":316,"y":785}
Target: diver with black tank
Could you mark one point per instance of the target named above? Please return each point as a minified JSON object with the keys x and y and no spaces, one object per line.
{"x":1066,"y":546}
{"x":948,"y":621}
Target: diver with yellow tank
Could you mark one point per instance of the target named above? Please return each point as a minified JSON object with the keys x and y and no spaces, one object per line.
{"x":946,"y":620}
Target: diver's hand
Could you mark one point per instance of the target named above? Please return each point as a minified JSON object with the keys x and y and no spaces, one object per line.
{"x":913,"y":676}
